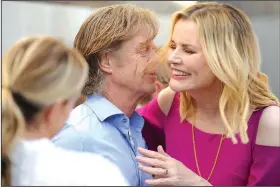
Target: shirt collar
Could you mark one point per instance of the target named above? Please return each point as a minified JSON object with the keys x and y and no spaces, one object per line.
{"x":104,"y":109}
{"x":137,"y":121}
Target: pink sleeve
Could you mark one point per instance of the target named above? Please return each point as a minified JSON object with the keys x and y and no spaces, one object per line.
{"x":153,"y":131}
{"x":265,"y":169}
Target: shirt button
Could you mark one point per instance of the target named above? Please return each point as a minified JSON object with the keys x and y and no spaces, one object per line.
{"x":124,"y":120}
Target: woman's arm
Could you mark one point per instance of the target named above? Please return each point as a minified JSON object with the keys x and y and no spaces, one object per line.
{"x":265,"y":169}
{"x":155,"y":113}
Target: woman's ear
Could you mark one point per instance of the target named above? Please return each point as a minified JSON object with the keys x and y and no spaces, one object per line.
{"x":106,"y":62}
{"x":51,"y":112}
{"x":48,"y":113}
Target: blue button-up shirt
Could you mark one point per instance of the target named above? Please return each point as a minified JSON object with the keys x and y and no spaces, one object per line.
{"x":99,"y":126}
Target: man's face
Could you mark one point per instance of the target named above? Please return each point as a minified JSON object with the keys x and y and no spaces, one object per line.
{"x":134,"y":65}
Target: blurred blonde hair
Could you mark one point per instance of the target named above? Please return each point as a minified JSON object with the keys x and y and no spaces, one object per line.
{"x":232,"y":52}
{"x":162,"y":73}
{"x":39,"y":70}
{"x":105,"y":30}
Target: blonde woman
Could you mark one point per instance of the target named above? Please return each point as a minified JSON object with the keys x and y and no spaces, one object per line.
{"x":218,"y":120}
{"x":42,"y":79}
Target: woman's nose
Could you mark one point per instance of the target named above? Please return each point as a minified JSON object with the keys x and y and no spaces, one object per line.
{"x":173,"y":58}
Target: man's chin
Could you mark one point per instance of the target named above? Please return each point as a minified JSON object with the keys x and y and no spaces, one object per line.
{"x":151,"y":90}
{"x":146,"y":89}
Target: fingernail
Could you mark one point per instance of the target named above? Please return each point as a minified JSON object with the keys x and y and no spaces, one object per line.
{"x":147,"y":181}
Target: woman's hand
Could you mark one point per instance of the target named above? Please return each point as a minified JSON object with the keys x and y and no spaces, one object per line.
{"x":167,"y":170}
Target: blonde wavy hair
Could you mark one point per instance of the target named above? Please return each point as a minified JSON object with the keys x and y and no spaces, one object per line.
{"x":105,"y":30}
{"x":232,"y":52}
{"x":36,"y":70}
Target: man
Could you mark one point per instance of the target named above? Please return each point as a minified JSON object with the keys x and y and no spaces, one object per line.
{"x":117,"y":42}
{"x":162,"y":81}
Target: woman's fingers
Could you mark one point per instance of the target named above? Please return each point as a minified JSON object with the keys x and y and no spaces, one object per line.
{"x":152,"y":154}
{"x":154,"y":171}
{"x":151,"y":162}
{"x":161,"y":150}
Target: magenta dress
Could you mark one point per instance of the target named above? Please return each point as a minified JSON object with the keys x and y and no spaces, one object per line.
{"x":237,"y":164}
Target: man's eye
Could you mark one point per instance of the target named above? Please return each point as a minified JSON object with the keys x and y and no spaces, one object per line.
{"x":172,"y":46}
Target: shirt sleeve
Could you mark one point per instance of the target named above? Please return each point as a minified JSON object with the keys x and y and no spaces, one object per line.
{"x":153,"y":131}
{"x":68,"y":138}
{"x":265,"y":169}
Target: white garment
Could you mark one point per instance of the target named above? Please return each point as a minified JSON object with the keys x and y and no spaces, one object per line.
{"x":41,"y":163}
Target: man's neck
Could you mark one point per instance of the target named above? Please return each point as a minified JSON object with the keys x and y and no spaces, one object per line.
{"x":124,"y":99}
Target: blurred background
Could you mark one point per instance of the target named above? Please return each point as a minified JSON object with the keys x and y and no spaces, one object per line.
{"x":64,"y":18}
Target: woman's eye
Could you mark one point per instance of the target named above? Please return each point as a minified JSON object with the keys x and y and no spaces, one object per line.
{"x":189,"y":51}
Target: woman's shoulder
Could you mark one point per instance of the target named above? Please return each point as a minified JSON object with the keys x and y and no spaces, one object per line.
{"x":269,"y":127}
{"x":165,"y":99}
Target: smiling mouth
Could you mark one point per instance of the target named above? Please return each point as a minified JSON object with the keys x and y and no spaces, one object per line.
{"x":180,"y":73}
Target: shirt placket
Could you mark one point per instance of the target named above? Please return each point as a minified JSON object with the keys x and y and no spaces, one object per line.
{"x":133,"y":145}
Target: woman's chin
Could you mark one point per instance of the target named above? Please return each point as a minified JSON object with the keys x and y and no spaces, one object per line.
{"x":177,"y":87}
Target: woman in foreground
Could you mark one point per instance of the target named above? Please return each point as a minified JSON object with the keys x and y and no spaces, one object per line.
{"x":42,"y":79}
{"x":218,"y":120}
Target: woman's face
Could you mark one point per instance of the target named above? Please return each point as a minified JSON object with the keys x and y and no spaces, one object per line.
{"x":189,"y":68}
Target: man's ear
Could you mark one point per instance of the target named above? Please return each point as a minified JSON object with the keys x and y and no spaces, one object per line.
{"x":106,"y":63}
